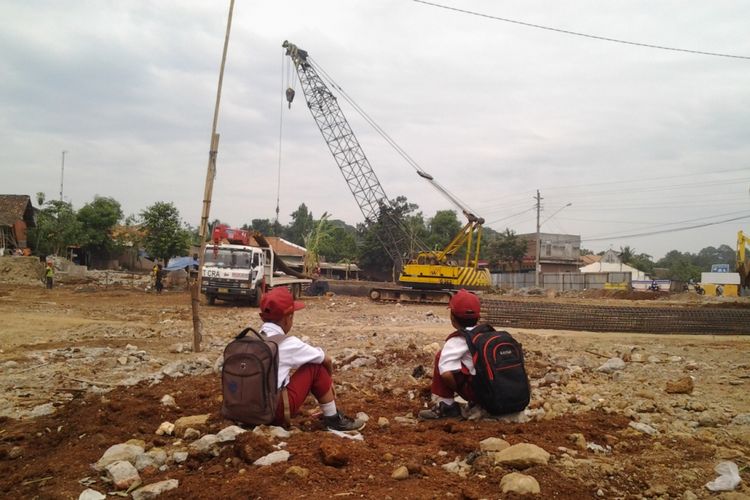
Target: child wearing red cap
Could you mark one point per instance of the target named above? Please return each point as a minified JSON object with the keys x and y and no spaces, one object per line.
{"x":311,"y":367}
{"x":454,"y":367}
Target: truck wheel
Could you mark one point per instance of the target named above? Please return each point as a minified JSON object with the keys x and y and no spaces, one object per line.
{"x":258,"y":296}
{"x":211,"y":300}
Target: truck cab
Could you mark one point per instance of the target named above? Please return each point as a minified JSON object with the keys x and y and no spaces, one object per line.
{"x":233,"y":273}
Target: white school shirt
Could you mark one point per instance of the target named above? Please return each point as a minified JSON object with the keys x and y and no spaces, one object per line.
{"x":454,"y":354}
{"x":293,"y":353}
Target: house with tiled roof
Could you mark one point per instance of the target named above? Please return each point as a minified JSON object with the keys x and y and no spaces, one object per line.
{"x":16,"y":215}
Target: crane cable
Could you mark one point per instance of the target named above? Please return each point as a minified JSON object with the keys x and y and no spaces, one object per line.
{"x":281,"y":128}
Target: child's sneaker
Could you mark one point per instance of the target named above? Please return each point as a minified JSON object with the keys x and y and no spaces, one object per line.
{"x":340,"y":422}
{"x":441,"y":410}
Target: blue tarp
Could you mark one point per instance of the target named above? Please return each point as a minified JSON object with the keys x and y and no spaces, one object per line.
{"x":177,"y":263}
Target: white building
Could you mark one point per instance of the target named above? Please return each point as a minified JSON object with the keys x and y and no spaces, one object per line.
{"x":610,"y":263}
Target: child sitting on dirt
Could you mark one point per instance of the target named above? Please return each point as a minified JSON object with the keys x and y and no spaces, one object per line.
{"x":453,"y":365}
{"x":312,"y":367}
{"x":483,"y":366}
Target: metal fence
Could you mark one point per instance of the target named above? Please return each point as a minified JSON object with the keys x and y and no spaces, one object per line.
{"x":560,"y":281}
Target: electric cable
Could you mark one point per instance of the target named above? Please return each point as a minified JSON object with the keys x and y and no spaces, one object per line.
{"x":575,"y":33}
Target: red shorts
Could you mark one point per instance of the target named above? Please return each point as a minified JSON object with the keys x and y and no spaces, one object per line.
{"x":463,"y":383}
{"x":309,"y":378}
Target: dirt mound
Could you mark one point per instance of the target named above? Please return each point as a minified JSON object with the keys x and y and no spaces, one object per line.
{"x":21,"y":270}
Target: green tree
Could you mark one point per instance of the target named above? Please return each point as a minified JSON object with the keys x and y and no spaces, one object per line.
{"x":263,"y":226}
{"x":339,"y":243}
{"x":56,"y":228}
{"x":302,"y":223}
{"x":321,"y":230}
{"x":392,"y":219}
{"x":506,"y":250}
{"x":443,"y":227}
{"x":97,"y":219}
{"x":711,"y":255}
{"x":626,"y":254}
{"x":679,"y":266}
{"x":165,"y":235}
{"x":642,"y":262}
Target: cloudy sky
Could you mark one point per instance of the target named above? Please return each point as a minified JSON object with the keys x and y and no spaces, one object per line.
{"x":642,"y":143}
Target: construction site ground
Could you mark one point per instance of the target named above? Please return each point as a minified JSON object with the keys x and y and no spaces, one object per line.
{"x":86,"y":366}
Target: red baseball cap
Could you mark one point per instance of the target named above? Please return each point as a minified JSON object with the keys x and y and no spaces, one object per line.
{"x":278,"y":303}
{"x":465,"y":305}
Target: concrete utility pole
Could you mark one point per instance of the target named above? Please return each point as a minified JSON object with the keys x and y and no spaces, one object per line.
{"x":62,"y":175}
{"x":538,"y":238}
{"x":195,"y":285}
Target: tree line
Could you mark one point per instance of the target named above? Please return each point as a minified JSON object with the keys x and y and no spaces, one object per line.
{"x":101,"y":232}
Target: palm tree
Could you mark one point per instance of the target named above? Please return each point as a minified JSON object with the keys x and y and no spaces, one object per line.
{"x":626,"y":254}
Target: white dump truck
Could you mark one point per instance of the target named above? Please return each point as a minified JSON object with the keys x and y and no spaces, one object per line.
{"x":235,"y":270}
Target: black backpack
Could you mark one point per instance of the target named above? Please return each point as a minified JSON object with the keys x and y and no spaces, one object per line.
{"x":500,"y":385}
{"x":249,"y":378}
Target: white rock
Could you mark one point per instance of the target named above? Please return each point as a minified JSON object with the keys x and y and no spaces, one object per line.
{"x":190,"y":434}
{"x":89,"y":494}
{"x":159,"y":455}
{"x":122,"y":451}
{"x":741,"y":419}
{"x":230,"y":433}
{"x":153,"y":490}
{"x":122,"y":474}
{"x":165,"y":428}
{"x":362,"y":416}
{"x":493,"y":444}
{"x":522,"y":455}
{"x":207,"y":445}
{"x":273,"y":458}
{"x":515,"y":482}
{"x":144,"y":460}
{"x":168,"y":400}
{"x":42,"y":410}
{"x":272,"y":431}
{"x":180,"y":456}
{"x":645,"y":428}
{"x":123,"y":360}
{"x":459,"y":467}
{"x":612,"y":365}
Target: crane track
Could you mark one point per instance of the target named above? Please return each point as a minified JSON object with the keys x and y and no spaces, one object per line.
{"x":559,"y":316}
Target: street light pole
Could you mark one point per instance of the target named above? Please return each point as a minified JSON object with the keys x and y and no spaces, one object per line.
{"x":538,"y":239}
{"x":62,"y":175}
{"x":538,"y":234}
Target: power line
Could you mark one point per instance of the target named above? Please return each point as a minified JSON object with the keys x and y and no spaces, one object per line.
{"x":664,"y":231}
{"x":585,"y":35}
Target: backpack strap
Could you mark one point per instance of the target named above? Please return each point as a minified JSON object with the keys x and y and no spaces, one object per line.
{"x":244,"y":332}
{"x":470,"y":334}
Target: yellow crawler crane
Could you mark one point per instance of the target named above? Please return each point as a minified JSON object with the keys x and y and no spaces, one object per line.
{"x":431,"y":276}
{"x":440,"y":269}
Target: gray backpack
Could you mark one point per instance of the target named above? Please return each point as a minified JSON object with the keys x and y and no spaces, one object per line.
{"x":249,"y":378}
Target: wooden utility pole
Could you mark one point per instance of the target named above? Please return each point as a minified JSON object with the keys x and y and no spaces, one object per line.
{"x":538,"y":239}
{"x":195,"y":285}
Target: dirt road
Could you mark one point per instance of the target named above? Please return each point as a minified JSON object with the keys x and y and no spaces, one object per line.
{"x":85,"y":368}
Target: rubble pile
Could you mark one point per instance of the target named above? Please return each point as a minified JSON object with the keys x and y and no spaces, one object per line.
{"x":21,"y":270}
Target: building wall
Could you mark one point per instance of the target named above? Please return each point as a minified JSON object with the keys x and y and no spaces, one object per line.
{"x":19,"y":232}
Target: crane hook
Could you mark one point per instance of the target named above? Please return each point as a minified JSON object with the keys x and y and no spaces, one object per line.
{"x":290,"y":96}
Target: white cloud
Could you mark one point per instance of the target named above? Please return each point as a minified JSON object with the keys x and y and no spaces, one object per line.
{"x":493,"y":110}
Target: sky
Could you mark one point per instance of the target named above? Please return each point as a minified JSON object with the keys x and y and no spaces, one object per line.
{"x":627,"y":145}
